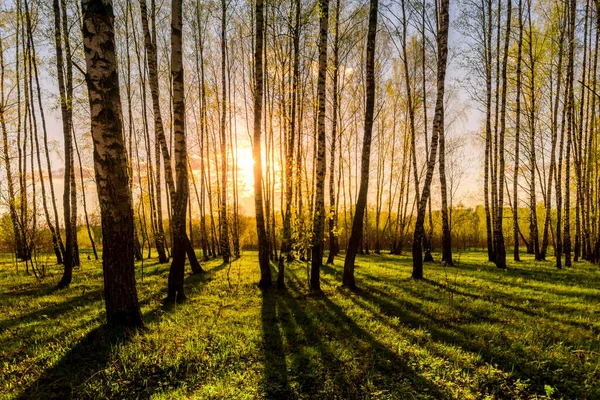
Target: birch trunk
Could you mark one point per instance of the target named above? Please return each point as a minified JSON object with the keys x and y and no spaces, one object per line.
{"x":110,"y":162}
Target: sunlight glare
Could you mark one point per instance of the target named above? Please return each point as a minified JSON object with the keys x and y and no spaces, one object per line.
{"x":245,"y":165}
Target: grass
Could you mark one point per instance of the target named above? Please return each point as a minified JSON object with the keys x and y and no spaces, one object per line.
{"x":470,"y":331}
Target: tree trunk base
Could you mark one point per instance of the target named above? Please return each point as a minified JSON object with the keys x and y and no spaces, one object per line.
{"x":62,"y":285}
{"x":191,"y":255}
{"x":428,"y":256}
{"x":177,"y":298}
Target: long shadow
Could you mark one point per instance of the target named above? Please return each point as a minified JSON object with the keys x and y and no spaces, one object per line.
{"x":440,"y":330}
{"x":196,"y":279}
{"x":306,"y":336}
{"x":532,"y":310}
{"x":390,"y":371}
{"x":490,"y":296}
{"x":81,"y":364}
{"x":392,"y":368}
{"x":275,"y":383}
{"x":330,"y":270}
{"x":557,"y":288}
{"x":505,"y":300}
{"x":406,"y":333}
{"x":490,"y":351}
{"x":152,"y":270}
{"x":218,"y":268}
{"x":85,"y":362}
{"x":311,"y":360}
{"x":496,"y":297}
{"x":32,"y":290}
{"x":567,"y":276}
{"x":54,"y":310}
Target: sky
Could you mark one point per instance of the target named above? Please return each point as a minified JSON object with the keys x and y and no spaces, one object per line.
{"x":468,"y":192}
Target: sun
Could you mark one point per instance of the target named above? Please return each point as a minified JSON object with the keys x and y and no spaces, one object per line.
{"x":245,"y":166}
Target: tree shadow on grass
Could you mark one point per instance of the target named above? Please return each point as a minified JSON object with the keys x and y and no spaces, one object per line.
{"x":305,"y":361}
{"x":581,"y":288}
{"x":542,"y":272}
{"x":551,"y":275}
{"x":32,"y":290}
{"x":151,"y":271}
{"x":314,"y":364}
{"x":219,"y":267}
{"x":79,"y":374}
{"x":394,"y":372}
{"x":473,"y":329}
{"x":314,"y":349}
{"x":534,"y":308}
{"x":84,"y":363}
{"x":89,"y":357}
{"x":275,"y":383}
{"x":495,"y":350}
{"x":55,"y":310}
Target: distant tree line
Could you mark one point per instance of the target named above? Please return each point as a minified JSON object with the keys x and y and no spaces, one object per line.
{"x":347,"y":109}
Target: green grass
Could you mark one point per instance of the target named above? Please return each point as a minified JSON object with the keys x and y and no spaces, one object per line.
{"x":472,"y":331}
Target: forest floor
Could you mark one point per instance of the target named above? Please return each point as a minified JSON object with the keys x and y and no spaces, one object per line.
{"x":470,"y":331}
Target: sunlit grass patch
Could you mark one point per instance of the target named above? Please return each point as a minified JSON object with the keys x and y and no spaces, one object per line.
{"x":469,"y":331}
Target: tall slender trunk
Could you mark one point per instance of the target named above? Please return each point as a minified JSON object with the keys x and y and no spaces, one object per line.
{"x":69,"y":93}
{"x":263,"y":246}
{"x":588,"y":220}
{"x":26,"y":127}
{"x":517,"y":138}
{"x":553,"y":172}
{"x":533,"y":221}
{"x":37,"y":152}
{"x":33,"y":74}
{"x":202,"y":139}
{"x":110,"y":161}
{"x":559,"y":210}
{"x":179,"y":198}
{"x":34,"y":70}
{"x":494,"y":142}
{"x":137,"y":246}
{"x":579,"y":162}
{"x":361,"y":202}
{"x":29,"y":114}
{"x":333,"y":240}
{"x":319,"y":210}
{"x":498,"y":234}
{"x":596,"y":226}
{"x":438,"y":122}
{"x":286,"y":243}
{"x":411,"y":108}
{"x":159,"y":134}
{"x":570,"y":101}
{"x":21,"y":240}
{"x":427,"y":240}
{"x":35,"y":149}
{"x":146,"y":137}
{"x":66,"y":123}
{"x":235,"y":231}
{"x":9,"y":178}
{"x":143,"y":221}
{"x":488,"y":129}
{"x":446,"y":237}
{"x":224,"y":230}
{"x":85,"y":212}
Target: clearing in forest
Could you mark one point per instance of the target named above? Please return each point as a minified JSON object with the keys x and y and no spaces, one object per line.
{"x":470,"y":331}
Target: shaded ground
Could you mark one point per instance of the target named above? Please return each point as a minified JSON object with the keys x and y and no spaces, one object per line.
{"x":466,"y":332}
